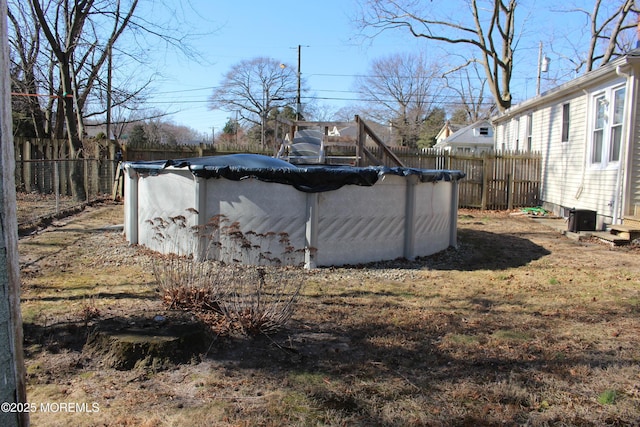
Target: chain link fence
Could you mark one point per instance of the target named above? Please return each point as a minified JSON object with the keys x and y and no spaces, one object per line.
{"x":44,"y":187}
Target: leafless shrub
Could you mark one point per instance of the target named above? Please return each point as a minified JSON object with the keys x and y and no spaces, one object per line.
{"x":187,"y":283}
{"x":230,"y":297}
{"x":262,"y":300}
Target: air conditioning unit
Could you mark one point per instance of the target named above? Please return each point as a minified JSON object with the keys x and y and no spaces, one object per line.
{"x":582,"y":220}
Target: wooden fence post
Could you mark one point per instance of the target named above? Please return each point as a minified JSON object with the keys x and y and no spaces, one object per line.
{"x":362,"y":136}
{"x":511,"y":191}
{"x":485,"y":182}
{"x":26,"y":168}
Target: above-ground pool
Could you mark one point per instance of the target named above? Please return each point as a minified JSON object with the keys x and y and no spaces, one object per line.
{"x":255,"y":209}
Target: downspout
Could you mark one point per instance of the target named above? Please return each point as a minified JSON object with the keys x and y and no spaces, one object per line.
{"x":621,"y":179}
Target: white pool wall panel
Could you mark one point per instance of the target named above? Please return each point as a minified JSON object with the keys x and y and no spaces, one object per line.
{"x":270,"y":216}
{"x":271,"y":223}
{"x":362,"y":224}
{"x":434,"y":217}
{"x":161,"y":200}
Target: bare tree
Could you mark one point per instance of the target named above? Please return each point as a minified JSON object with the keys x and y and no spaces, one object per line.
{"x":160,"y":131}
{"x":75,"y":47}
{"x":403,"y":89}
{"x":64,"y":51}
{"x":612,"y":25}
{"x":255,"y":87}
{"x":487,"y":27}
{"x":469,"y":84}
{"x":25,"y":49}
{"x":74,"y":42}
{"x":346,"y":113}
{"x":100,"y":86}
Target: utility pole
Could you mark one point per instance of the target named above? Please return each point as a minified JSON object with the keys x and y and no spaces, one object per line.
{"x":298,"y":106}
{"x":543,"y":67}
{"x":263,"y":116}
{"x":109,"y":66}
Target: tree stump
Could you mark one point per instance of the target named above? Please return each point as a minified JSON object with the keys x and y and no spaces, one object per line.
{"x":149,"y":345}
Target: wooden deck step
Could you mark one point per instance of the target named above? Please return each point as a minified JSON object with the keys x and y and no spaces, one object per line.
{"x":613,"y":239}
{"x":631,"y":221}
{"x":624,"y":231}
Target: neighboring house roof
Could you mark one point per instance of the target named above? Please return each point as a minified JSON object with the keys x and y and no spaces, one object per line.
{"x":478,"y":135}
{"x":447,"y":130}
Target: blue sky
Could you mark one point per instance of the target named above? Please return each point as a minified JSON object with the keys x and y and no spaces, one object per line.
{"x":332,"y":53}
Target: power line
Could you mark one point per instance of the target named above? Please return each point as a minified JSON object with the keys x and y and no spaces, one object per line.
{"x":446,"y":100}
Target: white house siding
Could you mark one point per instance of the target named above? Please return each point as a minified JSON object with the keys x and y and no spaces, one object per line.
{"x":568,"y":179}
{"x":562,"y":160}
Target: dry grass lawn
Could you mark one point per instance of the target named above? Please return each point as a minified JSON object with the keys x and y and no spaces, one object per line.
{"x":517,"y":326}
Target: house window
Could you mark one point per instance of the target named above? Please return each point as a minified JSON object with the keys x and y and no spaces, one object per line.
{"x":598,"y":129}
{"x":529,"y":131}
{"x":565,"y":122}
{"x":608,"y":114}
{"x":484,"y":131}
{"x":616,"y":125}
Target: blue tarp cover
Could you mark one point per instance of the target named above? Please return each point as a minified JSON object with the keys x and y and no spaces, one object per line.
{"x":310,"y":179}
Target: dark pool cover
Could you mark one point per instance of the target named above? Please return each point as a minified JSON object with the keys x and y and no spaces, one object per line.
{"x":310,"y":179}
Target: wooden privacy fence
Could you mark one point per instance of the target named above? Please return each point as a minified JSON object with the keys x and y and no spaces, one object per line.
{"x":494,"y":180}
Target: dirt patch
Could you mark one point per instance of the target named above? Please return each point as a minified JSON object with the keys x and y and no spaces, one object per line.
{"x":518,"y":325}
{"x":36,"y":211}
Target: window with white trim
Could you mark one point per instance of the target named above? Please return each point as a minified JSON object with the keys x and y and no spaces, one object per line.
{"x":606,"y":136}
{"x":616,"y":125}
{"x":598,"y":129}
